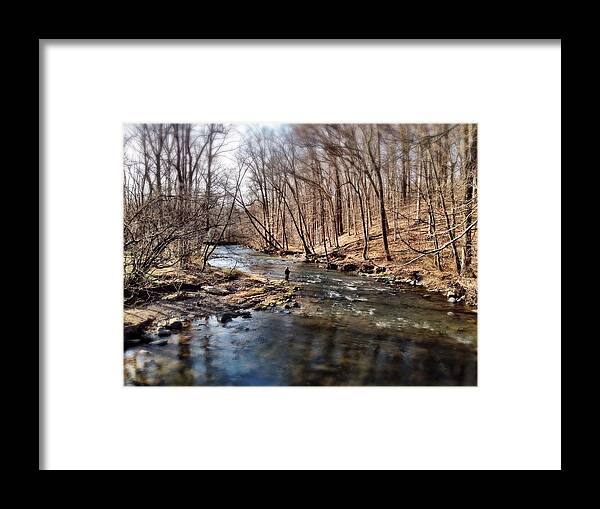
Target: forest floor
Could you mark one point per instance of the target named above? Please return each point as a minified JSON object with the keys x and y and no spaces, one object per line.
{"x":176,"y":297}
{"x":424,"y":272}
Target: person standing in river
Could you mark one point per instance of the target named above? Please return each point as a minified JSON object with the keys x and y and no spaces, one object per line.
{"x":287,"y":273}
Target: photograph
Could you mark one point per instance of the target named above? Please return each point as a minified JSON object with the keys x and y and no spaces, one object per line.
{"x":300,"y":254}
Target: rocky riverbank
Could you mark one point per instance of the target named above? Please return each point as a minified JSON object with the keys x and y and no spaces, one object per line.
{"x":457,"y":289}
{"x":177,"y":298}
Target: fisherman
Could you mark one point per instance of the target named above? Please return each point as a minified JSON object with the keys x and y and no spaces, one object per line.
{"x":287,"y":273}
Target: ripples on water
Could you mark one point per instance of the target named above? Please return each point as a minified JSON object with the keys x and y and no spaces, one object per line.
{"x":351,"y":330}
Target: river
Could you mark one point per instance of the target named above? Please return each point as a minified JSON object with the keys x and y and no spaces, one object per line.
{"x":351,"y":330}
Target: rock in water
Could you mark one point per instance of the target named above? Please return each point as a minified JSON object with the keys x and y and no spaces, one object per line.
{"x":164,"y":332}
{"x":457,"y":293}
{"x":175,"y":325}
{"x":227,"y":317}
{"x":367,"y":268}
{"x":146,"y":337}
{"x":131,"y":331}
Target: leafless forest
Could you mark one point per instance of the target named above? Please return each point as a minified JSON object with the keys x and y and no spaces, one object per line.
{"x":402,"y":196}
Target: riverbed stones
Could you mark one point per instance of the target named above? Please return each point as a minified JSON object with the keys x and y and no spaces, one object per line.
{"x":147,"y":337}
{"x":175,"y":325}
{"x":230,"y":315}
{"x":135,"y":322}
{"x":457,"y":293}
{"x":226,"y":317}
{"x":215,"y":290}
{"x":453,"y":299}
{"x":131,"y":331}
{"x":159,"y":342}
{"x":163,"y":332}
{"x":367,"y":268}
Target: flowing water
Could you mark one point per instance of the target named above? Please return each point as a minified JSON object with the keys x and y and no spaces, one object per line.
{"x":350,"y":330}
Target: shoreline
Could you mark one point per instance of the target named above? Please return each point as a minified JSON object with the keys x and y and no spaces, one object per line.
{"x":177,"y":297}
{"x":457,"y":289}
{"x":222,"y":293}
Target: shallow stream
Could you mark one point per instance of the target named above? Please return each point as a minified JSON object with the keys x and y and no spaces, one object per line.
{"x":350,"y":330}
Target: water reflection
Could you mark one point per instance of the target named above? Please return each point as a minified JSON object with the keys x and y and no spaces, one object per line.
{"x":351,"y":331}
